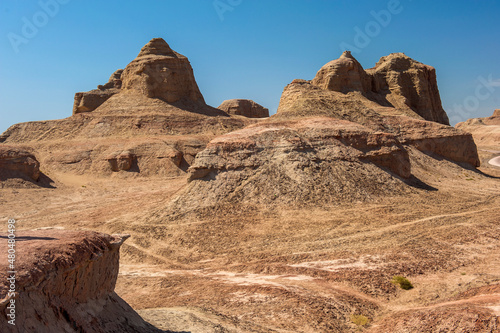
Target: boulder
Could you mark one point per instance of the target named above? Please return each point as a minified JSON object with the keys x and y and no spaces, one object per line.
{"x":65,"y":282}
{"x":121,"y":161}
{"x":18,"y":163}
{"x":244,"y":107}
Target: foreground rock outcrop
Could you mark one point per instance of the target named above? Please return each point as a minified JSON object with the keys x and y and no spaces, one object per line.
{"x":18,"y":163}
{"x":244,"y":107}
{"x":65,"y":282}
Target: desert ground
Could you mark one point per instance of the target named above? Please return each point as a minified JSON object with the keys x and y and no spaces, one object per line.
{"x":289,"y":269}
{"x":298,"y":222}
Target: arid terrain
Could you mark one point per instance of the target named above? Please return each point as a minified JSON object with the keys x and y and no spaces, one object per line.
{"x":293,"y":223}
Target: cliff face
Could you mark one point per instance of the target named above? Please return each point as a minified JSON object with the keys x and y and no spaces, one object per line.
{"x":91,"y":100}
{"x":408,"y":84}
{"x":65,"y":283}
{"x":396,"y":81}
{"x":160,"y":72}
{"x":343,"y":75}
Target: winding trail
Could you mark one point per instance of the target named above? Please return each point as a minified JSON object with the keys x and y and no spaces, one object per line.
{"x":495,"y":161}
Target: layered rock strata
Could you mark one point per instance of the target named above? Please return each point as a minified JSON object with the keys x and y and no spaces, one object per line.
{"x":65,"y":282}
{"x":18,"y":163}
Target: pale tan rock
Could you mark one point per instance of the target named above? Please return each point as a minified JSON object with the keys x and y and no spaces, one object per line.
{"x":407,"y":83}
{"x":160,"y":72}
{"x":129,"y":114}
{"x":91,"y":100}
{"x":18,"y":163}
{"x":176,"y":157}
{"x":431,"y":137}
{"x":403,"y":100}
{"x":244,"y":107}
{"x":65,"y":282}
{"x":343,"y":74}
{"x":309,"y":160}
{"x":396,"y":81}
{"x":486,"y":132}
{"x":121,"y":161}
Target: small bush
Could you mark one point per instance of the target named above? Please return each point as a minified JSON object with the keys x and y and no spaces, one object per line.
{"x":359,"y":320}
{"x":402,"y":282}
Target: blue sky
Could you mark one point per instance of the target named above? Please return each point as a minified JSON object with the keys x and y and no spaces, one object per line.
{"x":241,"y":48}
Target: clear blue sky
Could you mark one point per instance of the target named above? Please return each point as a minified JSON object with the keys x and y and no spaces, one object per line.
{"x":241,"y":48}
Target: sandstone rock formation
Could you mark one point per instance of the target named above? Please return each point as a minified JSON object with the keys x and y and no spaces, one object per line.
{"x":121,"y":161}
{"x":396,"y":80}
{"x":244,"y":107}
{"x":431,"y":137}
{"x":18,"y":163}
{"x":398,"y":96}
{"x":343,"y":75}
{"x":157,"y":72}
{"x":408,"y":84}
{"x":160,"y":72}
{"x":494,"y":120}
{"x":312,"y":160}
{"x":91,"y":100}
{"x":65,"y":282}
{"x":343,"y":136}
{"x":486,"y":131}
{"x":153,"y":109}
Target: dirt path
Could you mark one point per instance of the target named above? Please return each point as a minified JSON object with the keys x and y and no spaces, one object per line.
{"x":490,"y":301}
{"x":399,"y":226}
{"x":495,"y":161}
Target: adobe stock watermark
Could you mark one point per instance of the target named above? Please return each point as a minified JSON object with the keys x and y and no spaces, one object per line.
{"x":470,"y":104}
{"x":223,"y":6}
{"x":32,"y":25}
{"x":373,"y":28}
{"x":11,"y":273}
